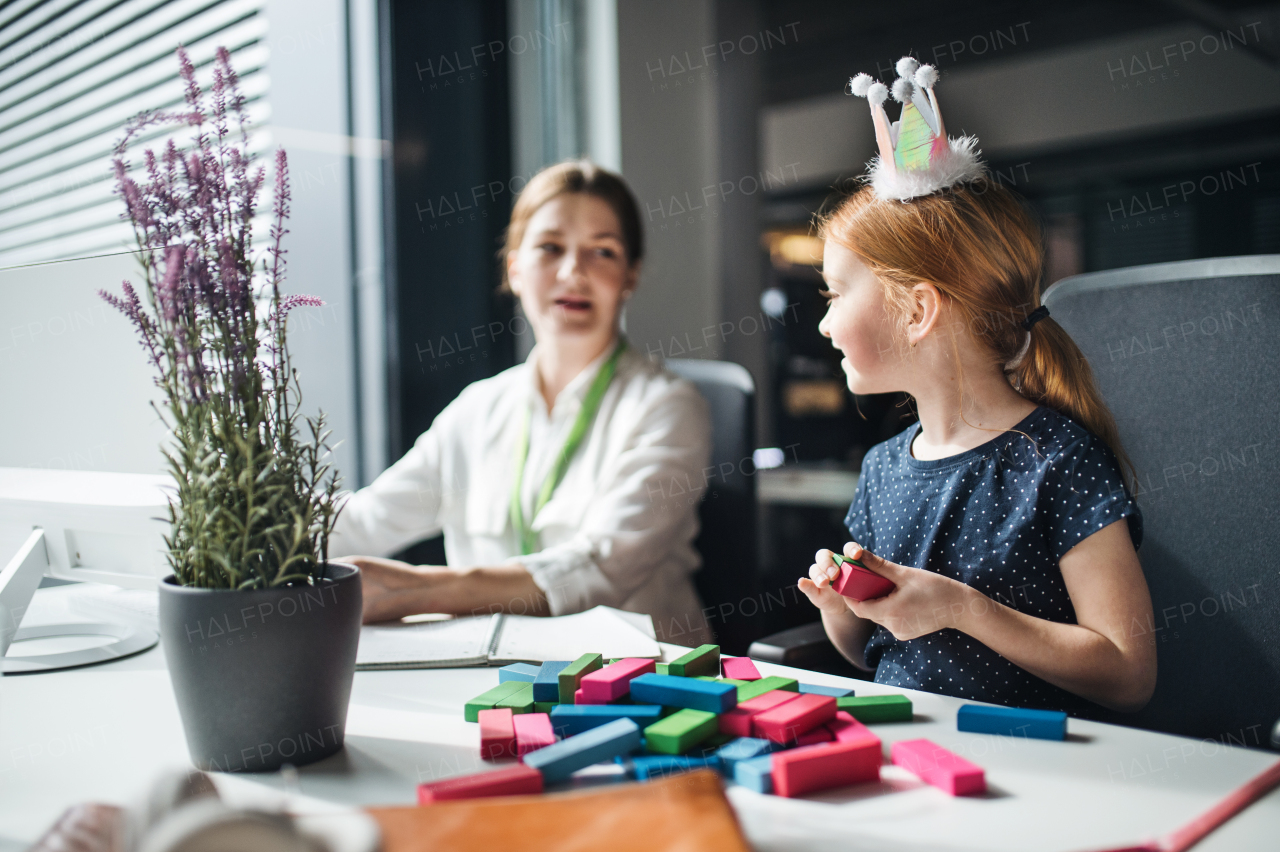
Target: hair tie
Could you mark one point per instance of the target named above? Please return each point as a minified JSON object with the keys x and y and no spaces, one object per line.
{"x":1035,"y":317}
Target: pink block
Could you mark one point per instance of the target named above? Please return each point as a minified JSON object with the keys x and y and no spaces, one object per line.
{"x":738,"y":720}
{"x":820,"y":767}
{"x":739,"y":668}
{"x":580,"y":698}
{"x":860,"y":584}
{"x":497,"y":734}
{"x":533,"y":731}
{"x":846,"y":729}
{"x":794,"y":718}
{"x":818,"y":735}
{"x":509,"y":781}
{"x":613,"y":681}
{"x":934,"y":765}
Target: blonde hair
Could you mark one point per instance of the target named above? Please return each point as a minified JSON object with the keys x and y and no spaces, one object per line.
{"x":982,"y":249}
{"x":574,"y":176}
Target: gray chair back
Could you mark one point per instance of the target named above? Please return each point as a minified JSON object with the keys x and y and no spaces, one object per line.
{"x":1187,"y":356}
{"x":727,"y":539}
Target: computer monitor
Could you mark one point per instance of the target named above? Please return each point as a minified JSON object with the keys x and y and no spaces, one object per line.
{"x":82,"y":478}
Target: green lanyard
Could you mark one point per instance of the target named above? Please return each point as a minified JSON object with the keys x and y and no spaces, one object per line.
{"x":590,"y":404}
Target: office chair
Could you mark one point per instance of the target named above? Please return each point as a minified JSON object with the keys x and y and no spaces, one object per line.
{"x":1187,"y":356}
{"x":727,"y":535}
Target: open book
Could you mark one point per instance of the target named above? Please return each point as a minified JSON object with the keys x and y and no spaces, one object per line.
{"x":500,"y":639}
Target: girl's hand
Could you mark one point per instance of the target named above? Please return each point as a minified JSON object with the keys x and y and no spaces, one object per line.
{"x":817,"y":586}
{"x":921,"y":603}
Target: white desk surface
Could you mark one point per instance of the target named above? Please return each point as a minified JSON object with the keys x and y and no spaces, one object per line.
{"x":101,"y":733}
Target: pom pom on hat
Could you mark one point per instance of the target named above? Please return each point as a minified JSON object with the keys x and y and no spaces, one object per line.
{"x":860,"y":84}
{"x":877,"y":93}
{"x":926,"y":76}
{"x":902,"y":89}
{"x":906,"y":66}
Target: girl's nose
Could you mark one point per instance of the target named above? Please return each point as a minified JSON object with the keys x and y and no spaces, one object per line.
{"x":570,"y":266}
{"x":822,"y":327}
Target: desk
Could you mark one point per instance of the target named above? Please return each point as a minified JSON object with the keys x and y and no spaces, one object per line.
{"x":101,"y":733}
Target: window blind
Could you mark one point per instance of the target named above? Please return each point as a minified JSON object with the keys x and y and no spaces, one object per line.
{"x":72,"y":74}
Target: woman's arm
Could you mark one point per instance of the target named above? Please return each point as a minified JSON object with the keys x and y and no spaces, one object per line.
{"x":394,"y":589}
{"x":1099,"y":658}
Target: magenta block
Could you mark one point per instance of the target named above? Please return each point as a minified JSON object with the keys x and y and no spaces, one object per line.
{"x":613,"y":681}
{"x":533,"y":731}
{"x":739,"y":668}
{"x":934,"y":765}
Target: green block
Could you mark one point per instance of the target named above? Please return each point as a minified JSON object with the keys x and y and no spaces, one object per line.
{"x":702,"y":660}
{"x":520,"y":701}
{"x":488,"y":700}
{"x":876,"y":708}
{"x":660,"y":668}
{"x":680,"y":731}
{"x":544,"y":706}
{"x":723,"y":680}
{"x":571,"y":675}
{"x":766,"y":684}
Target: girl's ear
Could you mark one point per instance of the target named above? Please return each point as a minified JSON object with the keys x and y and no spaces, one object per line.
{"x":633,"y":278}
{"x":513,"y":274}
{"x":926,"y":313}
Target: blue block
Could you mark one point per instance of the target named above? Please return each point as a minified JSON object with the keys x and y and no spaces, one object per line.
{"x":546,"y":687}
{"x":570,"y":719}
{"x":522,"y":672}
{"x":1012,"y":722}
{"x":743,"y":748}
{"x":557,"y":762}
{"x":687,"y":692}
{"x":662,"y":765}
{"x":815,"y":689}
{"x":754,"y":774}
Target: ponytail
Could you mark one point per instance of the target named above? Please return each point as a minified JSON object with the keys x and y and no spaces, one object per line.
{"x":982,"y":249}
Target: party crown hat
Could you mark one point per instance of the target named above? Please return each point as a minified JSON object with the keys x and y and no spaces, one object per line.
{"x":916,"y":157}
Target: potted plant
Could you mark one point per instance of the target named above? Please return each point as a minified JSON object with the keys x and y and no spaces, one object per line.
{"x":259,"y":629}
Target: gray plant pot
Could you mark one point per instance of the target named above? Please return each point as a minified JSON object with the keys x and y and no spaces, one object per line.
{"x":262,"y":677}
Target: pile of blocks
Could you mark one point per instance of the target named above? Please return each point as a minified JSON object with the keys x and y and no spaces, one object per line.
{"x":771,"y":734}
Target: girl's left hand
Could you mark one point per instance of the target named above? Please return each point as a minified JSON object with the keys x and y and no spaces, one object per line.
{"x":921,"y":603}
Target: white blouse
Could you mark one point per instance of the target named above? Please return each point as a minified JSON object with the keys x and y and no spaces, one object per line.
{"x":618,"y":530}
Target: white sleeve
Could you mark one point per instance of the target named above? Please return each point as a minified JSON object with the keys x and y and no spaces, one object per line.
{"x":645,"y":509}
{"x":400,"y":507}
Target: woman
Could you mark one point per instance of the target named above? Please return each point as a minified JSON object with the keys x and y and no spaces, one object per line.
{"x":548,"y":479}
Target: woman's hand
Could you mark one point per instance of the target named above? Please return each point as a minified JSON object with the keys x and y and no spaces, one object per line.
{"x":921,"y":603}
{"x":394,"y":589}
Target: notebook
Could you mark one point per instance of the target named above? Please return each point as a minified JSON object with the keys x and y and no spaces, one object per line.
{"x":499,"y":639}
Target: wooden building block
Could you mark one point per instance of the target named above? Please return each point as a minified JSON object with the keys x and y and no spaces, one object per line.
{"x":612,"y":682}
{"x":497,"y":734}
{"x":845,"y":728}
{"x":489,"y":699}
{"x":820,"y":767}
{"x":794,"y":718}
{"x":739,"y":668}
{"x":533,"y":731}
{"x":680,"y":731}
{"x":738,"y":720}
{"x":722,"y":680}
{"x":767,"y":684}
{"x":742,"y":748}
{"x":570,"y":719}
{"x":820,"y":734}
{"x":579,"y":697}
{"x":557,"y":762}
{"x":518,"y":671}
{"x":1012,"y":722}
{"x":933,"y":764}
{"x":755,"y":774}
{"x":857,"y":582}
{"x":519,"y":701}
{"x":544,"y":706}
{"x":702,"y":660}
{"x":684,"y":692}
{"x":546,"y":686}
{"x":818,"y":689}
{"x":516,"y":780}
{"x":660,"y":668}
{"x":572,"y":674}
{"x":650,"y":767}
{"x":870,"y":709}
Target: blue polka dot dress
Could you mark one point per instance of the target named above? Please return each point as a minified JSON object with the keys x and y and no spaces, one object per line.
{"x":998,"y":518}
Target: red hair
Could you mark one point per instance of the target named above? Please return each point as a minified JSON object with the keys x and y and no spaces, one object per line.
{"x":982,"y":249}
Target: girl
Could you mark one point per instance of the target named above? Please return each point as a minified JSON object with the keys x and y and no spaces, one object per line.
{"x":1002,"y":517}
{"x":543,"y":478}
